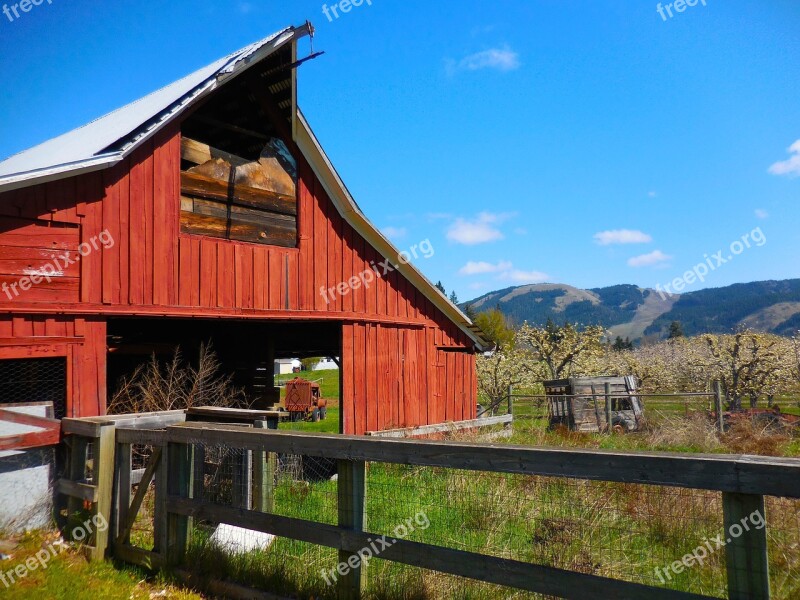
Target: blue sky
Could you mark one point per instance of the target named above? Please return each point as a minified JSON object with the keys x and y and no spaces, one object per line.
{"x":588,"y":143}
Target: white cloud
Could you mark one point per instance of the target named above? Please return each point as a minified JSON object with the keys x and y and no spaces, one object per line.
{"x":791,"y":166}
{"x":761,"y":213}
{"x":480,"y":230}
{"x":622,"y":236}
{"x":654,"y":258}
{"x":518,"y":276}
{"x":481,"y":267}
{"x":395,"y":233}
{"x":500,"y":59}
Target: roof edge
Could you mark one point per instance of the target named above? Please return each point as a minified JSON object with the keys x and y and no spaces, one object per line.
{"x":323,"y":168}
{"x":237,"y":63}
{"x":38,"y":176}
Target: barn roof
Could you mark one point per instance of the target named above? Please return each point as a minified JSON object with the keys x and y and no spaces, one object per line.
{"x":109,"y":139}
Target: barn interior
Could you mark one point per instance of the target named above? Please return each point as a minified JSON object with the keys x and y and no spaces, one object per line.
{"x":245,"y":350}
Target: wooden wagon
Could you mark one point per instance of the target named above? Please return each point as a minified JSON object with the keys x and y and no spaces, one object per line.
{"x":304,"y":400}
{"x":579,"y":403}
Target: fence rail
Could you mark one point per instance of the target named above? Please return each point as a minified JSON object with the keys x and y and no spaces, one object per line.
{"x":179,"y":454}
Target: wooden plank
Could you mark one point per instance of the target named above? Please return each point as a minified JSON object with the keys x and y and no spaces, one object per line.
{"x":265,"y":465}
{"x":103,"y":478}
{"x":122,"y":490}
{"x":193,"y":184}
{"x":224,"y":210}
{"x":319,"y":252}
{"x":82,"y":427}
{"x":110,"y":222}
{"x":39,"y":234}
{"x":136,"y":223}
{"x":348,"y":378}
{"x":768,"y":476}
{"x":148,"y":203}
{"x":34,"y":439}
{"x":123,"y":241}
{"x":74,"y":489}
{"x":198,"y":153}
{"x":225,"y":275}
{"x":451,"y":426}
{"x":22,"y":260}
{"x":352,"y":490}
{"x":234,"y":229}
{"x":746,"y":558}
{"x":181,"y":472}
{"x":139,"y":557}
{"x":208,"y":273}
{"x":76,"y":472}
{"x":152,"y":465}
{"x":162,"y":203}
{"x":371,"y":376}
{"x":500,"y":571}
{"x":260,"y":278}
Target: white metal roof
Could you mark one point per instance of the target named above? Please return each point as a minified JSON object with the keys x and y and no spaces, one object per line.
{"x":86,"y":148}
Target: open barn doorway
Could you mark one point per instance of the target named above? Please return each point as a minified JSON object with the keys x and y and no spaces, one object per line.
{"x":157,"y":364}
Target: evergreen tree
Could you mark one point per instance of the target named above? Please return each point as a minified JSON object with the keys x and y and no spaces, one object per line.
{"x":470,"y":312}
{"x":620,"y":345}
{"x":675,"y":330}
{"x":440,"y":287}
{"x":454,"y":297}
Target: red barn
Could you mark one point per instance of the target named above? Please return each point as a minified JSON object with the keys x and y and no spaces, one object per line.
{"x":208,"y":211}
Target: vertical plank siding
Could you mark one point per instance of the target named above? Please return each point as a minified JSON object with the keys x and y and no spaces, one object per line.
{"x":394,"y":375}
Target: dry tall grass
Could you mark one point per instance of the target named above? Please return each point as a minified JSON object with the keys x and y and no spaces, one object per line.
{"x":176,"y":384}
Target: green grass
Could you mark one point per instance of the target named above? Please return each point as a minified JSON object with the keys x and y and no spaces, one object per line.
{"x":70,"y":577}
{"x":329,"y":425}
{"x":621,"y":531}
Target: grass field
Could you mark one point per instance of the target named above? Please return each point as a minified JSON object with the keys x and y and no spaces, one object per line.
{"x":623,"y":531}
{"x":70,"y":577}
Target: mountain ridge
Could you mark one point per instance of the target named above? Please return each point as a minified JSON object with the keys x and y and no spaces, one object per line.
{"x":632,"y":312}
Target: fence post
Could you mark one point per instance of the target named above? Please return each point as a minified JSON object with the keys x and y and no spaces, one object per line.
{"x":352,"y":493}
{"x":264,"y":467}
{"x":76,"y":471}
{"x":103,"y":478}
{"x":746,"y":559}
{"x":161,"y":484}
{"x":122,"y":490}
{"x":718,"y":405}
{"x":608,"y":407}
{"x":180,"y":471}
{"x":509,"y":426}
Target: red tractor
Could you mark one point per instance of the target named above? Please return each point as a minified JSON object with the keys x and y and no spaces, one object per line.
{"x":304,"y":401}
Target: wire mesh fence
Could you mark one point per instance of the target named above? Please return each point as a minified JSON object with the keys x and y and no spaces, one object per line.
{"x":630,"y":532}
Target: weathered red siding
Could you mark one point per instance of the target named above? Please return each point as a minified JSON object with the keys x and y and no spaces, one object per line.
{"x":401,"y":360}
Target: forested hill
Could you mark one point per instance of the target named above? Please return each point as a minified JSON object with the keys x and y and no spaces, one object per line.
{"x":630,"y":311}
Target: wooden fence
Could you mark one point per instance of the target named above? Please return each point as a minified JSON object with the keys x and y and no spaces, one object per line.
{"x":742,"y":480}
